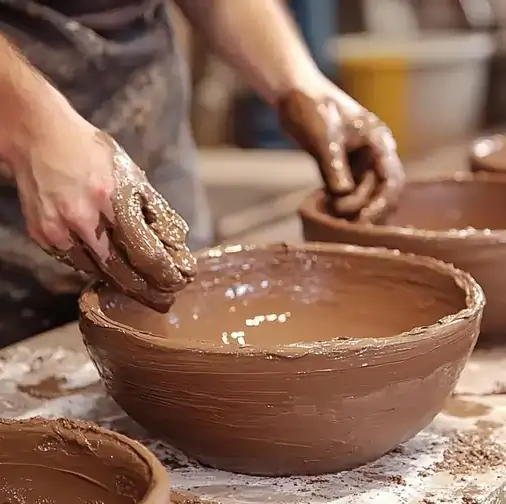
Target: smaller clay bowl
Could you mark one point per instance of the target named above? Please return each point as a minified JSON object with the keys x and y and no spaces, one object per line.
{"x":63,"y":461}
{"x":287,"y":360}
{"x":488,"y":154}
{"x":458,"y":219}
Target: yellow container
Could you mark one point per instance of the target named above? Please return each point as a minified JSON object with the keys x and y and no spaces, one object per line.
{"x":429,"y":89}
{"x":381,"y":86}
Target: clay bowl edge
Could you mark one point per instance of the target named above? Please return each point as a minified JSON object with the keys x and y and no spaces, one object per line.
{"x":480,"y":151}
{"x":90,"y":312}
{"x":159,"y":489}
{"x":307,"y":210}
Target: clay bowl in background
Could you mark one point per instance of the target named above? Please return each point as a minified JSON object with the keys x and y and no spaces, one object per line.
{"x":488,"y":154}
{"x":287,"y":360}
{"x":460,"y":220}
{"x":63,"y":461}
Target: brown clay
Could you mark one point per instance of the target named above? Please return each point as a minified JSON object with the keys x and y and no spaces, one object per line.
{"x":488,"y":154}
{"x":355,"y":153}
{"x":148,"y":257}
{"x":289,"y":360}
{"x":460,"y":220}
{"x":65,"y":462}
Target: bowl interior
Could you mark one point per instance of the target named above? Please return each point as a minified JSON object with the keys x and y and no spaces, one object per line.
{"x":268,"y":297}
{"x":58,"y":462}
{"x":452,"y":204}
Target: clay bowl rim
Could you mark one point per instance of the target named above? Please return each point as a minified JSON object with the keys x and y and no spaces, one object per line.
{"x":308,"y":207}
{"x":159,"y":476}
{"x":497,"y":141}
{"x":90,"y":311}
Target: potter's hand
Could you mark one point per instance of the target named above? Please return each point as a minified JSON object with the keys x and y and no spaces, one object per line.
{"x":87,"y":204}
{"x":65,"y":182}
{"x":356,"y":153}
{"x":84,"y":200}
{"x":146,"y":255}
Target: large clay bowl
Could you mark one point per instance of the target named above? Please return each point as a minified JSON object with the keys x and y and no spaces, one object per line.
{"x":460,"y":220}
{"x":283,"y":360}
{"x":63,"y":461}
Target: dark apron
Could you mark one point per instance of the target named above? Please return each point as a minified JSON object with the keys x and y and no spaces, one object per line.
{"x":127,"y":80}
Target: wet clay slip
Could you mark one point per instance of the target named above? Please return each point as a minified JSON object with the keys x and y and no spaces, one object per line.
{"x":148,"y":257}
{"x":70,"y":462}
{"x":460,"y":220}
{"x":287,"y":360}
{"x":488,"y":154}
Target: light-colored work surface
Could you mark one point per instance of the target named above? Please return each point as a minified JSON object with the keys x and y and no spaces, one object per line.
{"x":460,"y":458}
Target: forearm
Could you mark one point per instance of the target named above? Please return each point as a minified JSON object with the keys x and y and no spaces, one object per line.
{"x":29,"y":104}
{"x":259,"y":39}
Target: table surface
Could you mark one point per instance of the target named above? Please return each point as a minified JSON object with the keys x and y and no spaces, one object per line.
{"x":30,"y":371}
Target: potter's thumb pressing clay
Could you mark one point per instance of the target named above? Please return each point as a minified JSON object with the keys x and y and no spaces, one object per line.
{"x":148,"y":256}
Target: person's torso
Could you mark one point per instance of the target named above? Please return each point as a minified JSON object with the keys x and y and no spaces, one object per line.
{"x":115,"y":60}
{"x":103,"y":14}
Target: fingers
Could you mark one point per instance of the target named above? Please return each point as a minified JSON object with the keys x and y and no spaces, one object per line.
{"x":340,"y":177}
{"x":107,"y":219}
{"x":382,"y":179}
{"x":350,"y":206}
{"x":388,"y":192}
{"x":154,"y":236}
{"x":317,"y":128}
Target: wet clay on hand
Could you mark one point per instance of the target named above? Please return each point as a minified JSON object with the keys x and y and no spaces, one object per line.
{"x":70,"y":462}
{"x":148,"y":257}
{"x":284,"y":360}
{"x":357,"y":157}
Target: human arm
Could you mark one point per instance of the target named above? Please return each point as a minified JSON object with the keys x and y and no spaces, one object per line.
{"x":53,"y":155}
{"x":84,"y":200}
{"x":259,"y":39}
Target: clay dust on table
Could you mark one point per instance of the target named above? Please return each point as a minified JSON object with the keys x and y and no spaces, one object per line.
{"x":471,"y":452}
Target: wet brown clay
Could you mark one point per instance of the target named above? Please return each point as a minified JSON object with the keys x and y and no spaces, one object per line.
{"x":65,"y":462}
{"x":459,"y":220}
{"x":488,"y":154}
{"x":148,"y":256}
{"x":356,"y":155}
{"x":289,"y":360}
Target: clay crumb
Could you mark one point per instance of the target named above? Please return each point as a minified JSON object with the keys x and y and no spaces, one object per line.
{"x":499,"y":389}
{"x":428,"y":501}
{"x":470,"y":453}
{"x":396,"y":479}
{"x":469,"y":500}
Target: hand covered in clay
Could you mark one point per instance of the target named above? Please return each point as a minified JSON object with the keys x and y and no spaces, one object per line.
{"x":355,"y":152}
{"x":87,"y":204}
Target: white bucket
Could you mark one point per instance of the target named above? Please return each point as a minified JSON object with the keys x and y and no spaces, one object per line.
{"x":440,"y":82}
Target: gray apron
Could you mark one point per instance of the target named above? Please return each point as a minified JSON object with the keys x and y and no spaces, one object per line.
{"x":127,"y":79}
